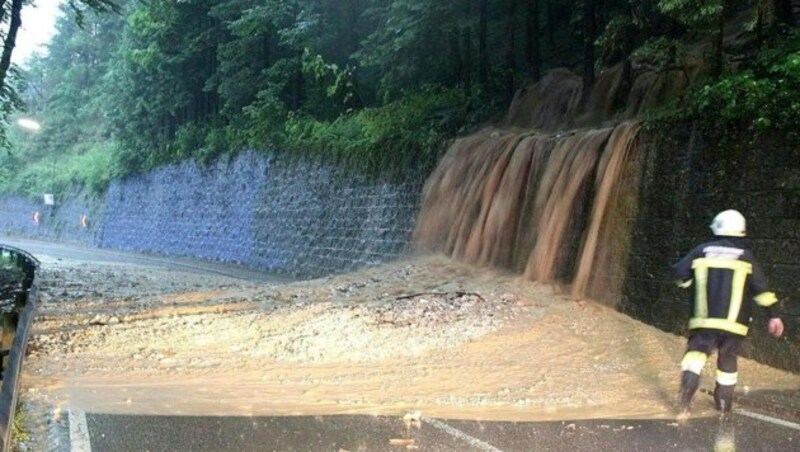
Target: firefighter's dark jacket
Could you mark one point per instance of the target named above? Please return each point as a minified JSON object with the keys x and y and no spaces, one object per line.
{"x":727,"y":280}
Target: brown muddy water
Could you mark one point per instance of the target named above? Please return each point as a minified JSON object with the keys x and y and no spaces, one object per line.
{"x":426,"y":334}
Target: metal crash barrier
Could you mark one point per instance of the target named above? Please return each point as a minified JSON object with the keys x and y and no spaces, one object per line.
{"x":17,"y":317}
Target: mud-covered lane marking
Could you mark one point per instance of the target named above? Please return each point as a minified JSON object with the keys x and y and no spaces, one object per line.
{"x":773,"y":420}
{"x":78,"y":432}
{"x":471,"y":440}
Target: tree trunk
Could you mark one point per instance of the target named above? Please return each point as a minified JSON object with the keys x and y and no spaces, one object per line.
{"x":783,"y":11}
{"x":455,"y":51}
{"x":353,"y":13}
{"x":466,"y":44}
{"x":551,"y":25}
{"x":510,"y":60}
{"x":265,"y":57}
{"x":532,"y":47}
{"x":298,"y":83}
{"x":589,"y":36}
{"x":10,"y":41}
{"x":483,"y":30}
{"x":717,"y":45}
{"x":467,"y":39}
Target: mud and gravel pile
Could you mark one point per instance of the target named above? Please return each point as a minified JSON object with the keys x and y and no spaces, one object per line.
{"x":426,"y":334}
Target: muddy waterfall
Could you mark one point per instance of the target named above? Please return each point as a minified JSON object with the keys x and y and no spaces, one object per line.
{"x":555,"y":206}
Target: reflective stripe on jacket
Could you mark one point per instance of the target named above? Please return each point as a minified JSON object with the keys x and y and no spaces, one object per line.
{"x":727,"y":281}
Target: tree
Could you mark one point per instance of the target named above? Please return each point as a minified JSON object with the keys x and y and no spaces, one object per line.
{"x":783,"y":11}
{"x":245,"y":50}
{"x":533,"y":55}
{"x":11,"y":14}
{"x":416,"y":43}
{"x":10,"y":41}
{"x":589,"y":37}
{"x":483,"y":31}
{"x":705,"y":17}
{"x":510,"y":60}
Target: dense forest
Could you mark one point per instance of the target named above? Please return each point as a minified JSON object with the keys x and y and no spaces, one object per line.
{"x":130,"y":85}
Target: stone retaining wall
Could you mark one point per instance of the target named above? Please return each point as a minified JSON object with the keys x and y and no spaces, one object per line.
{"x":301,"y":218}
{"x":62,"y":221}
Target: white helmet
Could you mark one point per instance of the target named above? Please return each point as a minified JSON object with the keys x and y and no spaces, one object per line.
{"x":729,"y":223}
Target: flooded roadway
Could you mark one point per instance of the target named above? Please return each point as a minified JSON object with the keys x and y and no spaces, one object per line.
{"x":96,"y":429}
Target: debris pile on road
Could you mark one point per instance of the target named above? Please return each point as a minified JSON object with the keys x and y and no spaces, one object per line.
{"x":428,"y":334}
{"x":428,"y":309}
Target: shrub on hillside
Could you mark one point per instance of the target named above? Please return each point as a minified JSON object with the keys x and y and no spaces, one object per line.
{"x":408,"y":132}
{"x":761,"y":99}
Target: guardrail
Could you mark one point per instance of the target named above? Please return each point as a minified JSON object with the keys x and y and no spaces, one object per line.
{"x":20,"y":321}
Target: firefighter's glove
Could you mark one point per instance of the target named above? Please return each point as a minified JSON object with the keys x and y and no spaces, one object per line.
{"x":775,"y":327}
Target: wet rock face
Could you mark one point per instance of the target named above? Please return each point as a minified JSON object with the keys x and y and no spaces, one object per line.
{"x":295,"y":217}
{"x":685,"y":183}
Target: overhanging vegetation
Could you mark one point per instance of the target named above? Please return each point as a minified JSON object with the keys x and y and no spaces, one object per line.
{"x":373,"y":84}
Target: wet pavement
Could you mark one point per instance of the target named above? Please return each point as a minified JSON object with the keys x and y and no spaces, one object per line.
{"x":42,"y":249}
{"x":769,"y":421}
{"x":377,"y":433}
{"x":782,"y":403}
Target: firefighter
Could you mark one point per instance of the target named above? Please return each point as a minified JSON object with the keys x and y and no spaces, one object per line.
{"x":727,"y":282}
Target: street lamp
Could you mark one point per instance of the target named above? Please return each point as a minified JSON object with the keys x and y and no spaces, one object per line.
{"x":33,"y":125}
{"x":29,"y":124}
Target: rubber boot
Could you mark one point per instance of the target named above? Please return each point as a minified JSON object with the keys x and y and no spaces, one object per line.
{"x":690,"y":381}
{"x":723,"y":397}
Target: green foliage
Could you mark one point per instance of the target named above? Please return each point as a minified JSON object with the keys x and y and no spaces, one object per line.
{"x":10,"y":102}
{"x":761,"y":100}
{"x":11,"y":271}
{"x":81,"y":7}
{"x":413,"y":45}
{"x":375,"y":83}
{"x":701,"y":15}
{"x":11,"y":83}
{"x":6,"y":173}
{"x":408,"y":132}
{"x":11,"y":276}
{"x":614,"y":43}
{"x":19,"y":430}
{"x":94,"y":168}
{"x":336,"y":83}
{"x":166,"y":81}
{"x":659,"y":53}
{"x":265,"y":119}
{"x":204,"y":142}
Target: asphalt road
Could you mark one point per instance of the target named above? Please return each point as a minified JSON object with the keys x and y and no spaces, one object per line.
{"x":115,"y":433}
{"x":43,"y":249}
{"x":749,"y":429}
